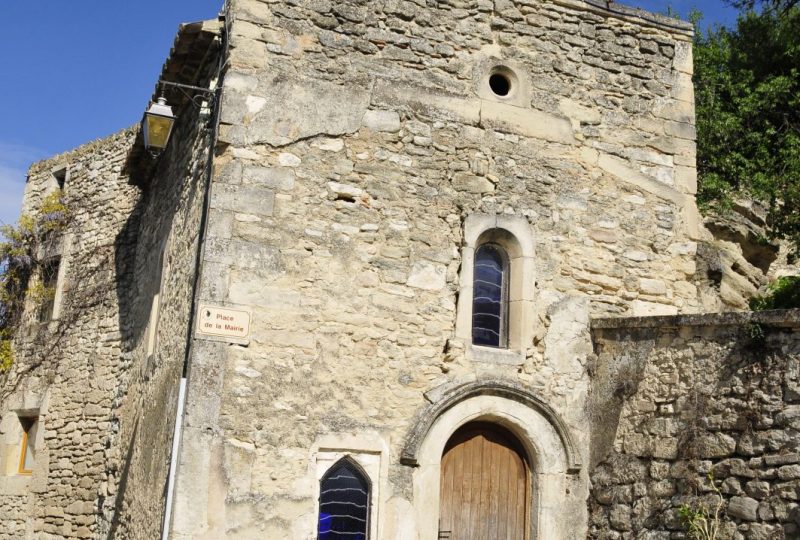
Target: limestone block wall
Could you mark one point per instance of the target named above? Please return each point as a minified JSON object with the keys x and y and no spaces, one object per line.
{"x":360,"y":137}
{"x":594,"y":144}
{"x":677,"y":399}
{"x":66,"y":370}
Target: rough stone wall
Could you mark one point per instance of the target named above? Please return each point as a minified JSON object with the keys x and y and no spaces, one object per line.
{"x":106,"y":391}
{"x":68,"y":369}
{"x":596,"y":148}
{"x":678,"y":398}
{"x":13,"y":514}
{"x":104,"y":376}
{"x":360,"y":137}
{"x":167,"y":225}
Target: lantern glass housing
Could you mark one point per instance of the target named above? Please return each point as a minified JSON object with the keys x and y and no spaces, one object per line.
{"x":157,"y":125}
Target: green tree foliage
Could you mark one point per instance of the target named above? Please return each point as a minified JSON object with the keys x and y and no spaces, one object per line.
{"x":783,"y":293}
{"x":773,"y":5}
{"x":747,"y":83}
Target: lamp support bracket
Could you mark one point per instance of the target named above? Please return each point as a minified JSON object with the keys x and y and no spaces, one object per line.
{"x":207,"y":93}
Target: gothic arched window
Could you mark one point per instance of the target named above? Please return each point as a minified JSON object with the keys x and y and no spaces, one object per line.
{"x":344,"y":503}
{"x":490,"y":297}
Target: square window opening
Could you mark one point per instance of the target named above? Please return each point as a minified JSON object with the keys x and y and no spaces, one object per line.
{"x":60,"y":176}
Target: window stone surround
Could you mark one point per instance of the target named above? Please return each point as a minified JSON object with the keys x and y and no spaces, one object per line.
{"x":370,"y":453}
{"x":514,"y":234}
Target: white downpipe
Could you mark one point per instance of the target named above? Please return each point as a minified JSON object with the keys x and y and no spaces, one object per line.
{"x":173,"y":461}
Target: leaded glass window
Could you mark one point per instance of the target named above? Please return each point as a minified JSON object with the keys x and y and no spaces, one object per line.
{"x":490,"y":297}
{"x":343,"y":503}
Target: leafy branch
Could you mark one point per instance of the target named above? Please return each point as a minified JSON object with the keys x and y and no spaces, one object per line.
{"x":701,"y":522}
{"x":783,"y":293}
{"x":779,"y":6}
{"x":747,"y":82}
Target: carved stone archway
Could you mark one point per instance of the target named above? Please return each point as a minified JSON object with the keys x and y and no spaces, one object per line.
{"x":555,"y":459}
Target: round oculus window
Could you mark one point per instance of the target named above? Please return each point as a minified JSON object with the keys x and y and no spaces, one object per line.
{"x":500,"y":83}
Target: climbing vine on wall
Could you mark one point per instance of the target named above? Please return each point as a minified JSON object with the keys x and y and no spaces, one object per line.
{"x":23,"y":249}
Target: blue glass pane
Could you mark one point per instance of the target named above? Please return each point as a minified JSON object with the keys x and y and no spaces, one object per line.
{"x":343,"y":505}
{"x":487,"y":299}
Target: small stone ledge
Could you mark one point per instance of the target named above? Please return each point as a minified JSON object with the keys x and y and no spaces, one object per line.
{"x":783,"y":318}
{"x":492,"y":355}
{"x":15,"y":485}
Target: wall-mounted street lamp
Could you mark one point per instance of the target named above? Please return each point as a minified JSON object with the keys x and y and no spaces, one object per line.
{"x":159,"y":119}
{"x":157,"y":125}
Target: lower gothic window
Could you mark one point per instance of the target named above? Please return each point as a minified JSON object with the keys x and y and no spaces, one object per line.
{"x":344,"y":503}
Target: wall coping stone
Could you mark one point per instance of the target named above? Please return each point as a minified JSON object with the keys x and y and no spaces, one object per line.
{"x":784,"y":318}
{"x":641,"y":16}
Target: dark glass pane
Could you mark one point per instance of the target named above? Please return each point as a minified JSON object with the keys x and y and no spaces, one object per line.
{"x":487,"y":300}
{"x":343,"y":505}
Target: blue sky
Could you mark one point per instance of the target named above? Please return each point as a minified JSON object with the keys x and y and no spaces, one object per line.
{"x":80,"y":70}
{"x":714,"y":11}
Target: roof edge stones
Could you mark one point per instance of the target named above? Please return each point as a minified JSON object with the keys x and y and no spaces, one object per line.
{"x":780,"y":318}
{"x":67,"y":156}
{"x":637,"y":15}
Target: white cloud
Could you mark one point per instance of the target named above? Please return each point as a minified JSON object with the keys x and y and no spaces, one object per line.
{"x":14,"y":162}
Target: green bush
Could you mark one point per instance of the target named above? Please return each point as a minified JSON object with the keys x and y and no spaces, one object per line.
{"x":784,"y":293}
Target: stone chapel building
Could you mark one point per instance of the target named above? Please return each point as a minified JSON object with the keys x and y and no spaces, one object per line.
{"x":406,"y":269}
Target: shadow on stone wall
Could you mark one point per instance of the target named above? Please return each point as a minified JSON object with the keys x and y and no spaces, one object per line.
{"x":614,"y":380}
{"x":122,"y":487}
{"x":166,"y":217}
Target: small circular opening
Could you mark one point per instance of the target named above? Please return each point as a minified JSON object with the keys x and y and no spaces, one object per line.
{"x":500,"y":84}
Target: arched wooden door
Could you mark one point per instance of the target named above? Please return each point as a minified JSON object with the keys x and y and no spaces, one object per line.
{"x":485,"y":485}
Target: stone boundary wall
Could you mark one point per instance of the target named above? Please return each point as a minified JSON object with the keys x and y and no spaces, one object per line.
{"x":676,"y":399}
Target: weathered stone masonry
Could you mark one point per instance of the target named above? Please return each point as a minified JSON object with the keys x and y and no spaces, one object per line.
{"x":74,"y":373}
{"x":677,"y":398}
{"x":106,"y":404}
{"x":360,"y":137}
{"x":360,"y":159}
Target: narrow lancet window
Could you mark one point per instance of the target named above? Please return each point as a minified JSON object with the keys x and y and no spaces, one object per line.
{"x":27,"y":455}
{"x":490,"y":297}
{"x":343,"y":503}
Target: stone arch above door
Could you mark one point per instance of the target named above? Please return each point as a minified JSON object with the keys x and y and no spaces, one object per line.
{"x":555,"y":506}
{"x":455,"y":395}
